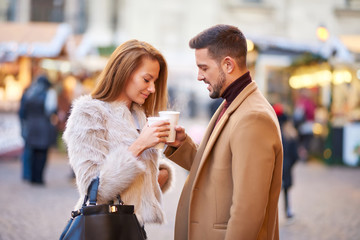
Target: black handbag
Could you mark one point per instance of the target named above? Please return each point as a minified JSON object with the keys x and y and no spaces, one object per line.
{"x":105,"y":221}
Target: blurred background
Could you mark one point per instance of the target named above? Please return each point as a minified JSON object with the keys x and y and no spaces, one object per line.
{"x":304,"y":56}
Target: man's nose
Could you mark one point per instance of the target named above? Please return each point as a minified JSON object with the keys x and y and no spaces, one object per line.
{"x":200,"y":76}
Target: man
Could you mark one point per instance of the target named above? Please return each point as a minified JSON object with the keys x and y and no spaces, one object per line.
{"x":38,"y":107}
{"x":234,"y":183}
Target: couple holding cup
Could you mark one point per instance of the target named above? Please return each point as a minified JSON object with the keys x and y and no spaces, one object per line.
{"x":173,"y":118}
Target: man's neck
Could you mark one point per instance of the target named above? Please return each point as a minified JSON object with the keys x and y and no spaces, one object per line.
{"x":236,"y":74}
{"x":236,"y":87}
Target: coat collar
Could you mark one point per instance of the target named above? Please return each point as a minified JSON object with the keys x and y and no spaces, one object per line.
{"x":213,"y":131}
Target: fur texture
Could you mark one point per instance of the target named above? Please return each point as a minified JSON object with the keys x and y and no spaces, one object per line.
{"x":98,"y":135}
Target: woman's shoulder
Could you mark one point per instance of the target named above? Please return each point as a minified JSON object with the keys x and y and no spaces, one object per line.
{"x":89,"y":110}
{"x":86,"y":114}
{"x":87,"y":104}
{"x":86,"y":100}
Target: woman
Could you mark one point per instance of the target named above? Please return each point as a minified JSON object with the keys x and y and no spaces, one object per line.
{"x":107,"y":136}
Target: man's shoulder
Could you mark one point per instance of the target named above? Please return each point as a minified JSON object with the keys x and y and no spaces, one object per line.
{"x":254,"y":107}
{"x":254,"y":102}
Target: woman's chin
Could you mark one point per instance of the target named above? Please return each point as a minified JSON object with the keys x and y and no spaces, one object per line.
{"x":140,"y":101}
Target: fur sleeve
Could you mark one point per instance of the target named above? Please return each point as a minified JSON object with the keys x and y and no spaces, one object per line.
{"x":89,"y":153}
{"x":164,"y":164}
{"x":118,"y":172}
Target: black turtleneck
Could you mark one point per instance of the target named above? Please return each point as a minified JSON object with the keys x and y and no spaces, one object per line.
{"x":234,"y":89}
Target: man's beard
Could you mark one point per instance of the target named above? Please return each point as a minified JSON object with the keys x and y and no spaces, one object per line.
{"x":219,"y":85}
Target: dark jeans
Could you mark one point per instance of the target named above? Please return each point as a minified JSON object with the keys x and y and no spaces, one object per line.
{"x":38,"y":160}
{"x":26,"y":163}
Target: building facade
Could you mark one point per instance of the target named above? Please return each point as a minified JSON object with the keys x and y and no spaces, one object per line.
{"x":282,"y":30}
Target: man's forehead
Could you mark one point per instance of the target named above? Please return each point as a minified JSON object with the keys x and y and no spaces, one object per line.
{"x":203,"y":57}
{"x":202,"y":52}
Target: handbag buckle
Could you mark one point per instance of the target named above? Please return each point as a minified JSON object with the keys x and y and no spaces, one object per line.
{"x":112,"y":209}
{"x":75,"y":213}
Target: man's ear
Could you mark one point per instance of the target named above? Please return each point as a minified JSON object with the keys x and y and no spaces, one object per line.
{"x":228,"y":64}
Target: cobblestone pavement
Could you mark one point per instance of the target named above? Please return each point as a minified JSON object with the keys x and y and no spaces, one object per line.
{"x":326,"y":203}
{"x":325,"y":199}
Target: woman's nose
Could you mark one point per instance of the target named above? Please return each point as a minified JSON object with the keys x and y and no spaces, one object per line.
{"x":151,"y":87}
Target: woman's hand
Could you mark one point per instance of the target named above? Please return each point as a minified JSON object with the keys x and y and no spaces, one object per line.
{"x":150,"y":136}
{"x":180,"y":137}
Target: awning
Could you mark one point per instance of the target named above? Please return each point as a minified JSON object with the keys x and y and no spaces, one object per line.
{"x":32,"y":39}
{"x":325,"y":49}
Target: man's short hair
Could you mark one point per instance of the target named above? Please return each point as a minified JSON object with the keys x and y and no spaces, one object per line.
{"x":221,"y":41}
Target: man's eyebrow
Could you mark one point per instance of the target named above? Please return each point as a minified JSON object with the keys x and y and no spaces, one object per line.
{"x":201,"y":65}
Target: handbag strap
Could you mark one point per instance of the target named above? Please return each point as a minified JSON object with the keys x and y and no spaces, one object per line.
{"x":92,"y":191}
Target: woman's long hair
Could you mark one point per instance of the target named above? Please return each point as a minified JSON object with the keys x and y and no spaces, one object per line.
{"x":122,"y":63}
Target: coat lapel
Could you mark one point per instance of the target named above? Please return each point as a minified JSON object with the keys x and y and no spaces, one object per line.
{"x":211,"y":125}
{"x":213,"y":132}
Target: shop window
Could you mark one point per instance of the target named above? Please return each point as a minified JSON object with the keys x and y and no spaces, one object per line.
{"x":278,"y":89}
{"x":11,"y":10}
{"x":80,"y":17}
{"x":353,"y":4}
{"x":47,"y":11}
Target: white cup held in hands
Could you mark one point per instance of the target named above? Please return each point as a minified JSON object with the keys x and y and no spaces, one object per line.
{"x":173,"y":117}
{"x":151,"y":121}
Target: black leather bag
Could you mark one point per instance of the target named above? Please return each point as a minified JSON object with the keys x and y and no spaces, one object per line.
{"x":105,"y":222}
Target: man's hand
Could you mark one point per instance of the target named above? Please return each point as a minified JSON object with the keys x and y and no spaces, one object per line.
{"x":180,"y":137}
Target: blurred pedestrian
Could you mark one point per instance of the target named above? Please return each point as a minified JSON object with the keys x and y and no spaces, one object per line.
{"x":37,"y":109}
{"x":107,"y":135}
{"x":304,"y":116}
{"x":214,"y":105}
{"x":192,"y":105}
{"x":64,"y":103}
{"x":234,"y":183}
{"x":25,"y":156}
{"x":290,"y":148}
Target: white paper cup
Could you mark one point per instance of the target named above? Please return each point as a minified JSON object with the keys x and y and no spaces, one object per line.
{"x":173,"y":117}
{"x":151,"y":121}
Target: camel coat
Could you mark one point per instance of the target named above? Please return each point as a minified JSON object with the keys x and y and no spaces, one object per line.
{"x":234,"y":183}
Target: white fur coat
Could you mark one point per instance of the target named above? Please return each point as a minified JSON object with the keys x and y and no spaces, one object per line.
{"x":98,"y":135}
